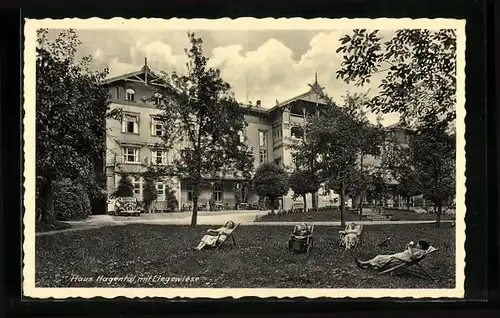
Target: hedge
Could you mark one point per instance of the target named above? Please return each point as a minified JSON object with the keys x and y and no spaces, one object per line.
{"x":71,"y":202}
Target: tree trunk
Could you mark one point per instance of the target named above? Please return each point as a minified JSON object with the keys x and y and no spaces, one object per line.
{"x":360,"y":206}
{"x":194,"y":216}
{"x":304,"y":197}
{"x":314,"y":201}
{"x":48,"y":203}
{"x":342,"y":203}
{"x":272,"y":205}
{"x":438,"y":214}
{"x":408,"y":203}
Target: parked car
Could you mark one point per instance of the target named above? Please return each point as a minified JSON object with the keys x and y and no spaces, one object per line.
{"x":128,"y":206}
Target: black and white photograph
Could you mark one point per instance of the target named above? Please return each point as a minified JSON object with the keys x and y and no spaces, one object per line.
{"x":244,"y":157}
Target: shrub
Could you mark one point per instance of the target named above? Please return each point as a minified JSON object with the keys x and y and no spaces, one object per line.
{"x":172,"y":203}
{"x":150,"y":193}
{"x":271,"y":181}
{"x":125,"y":187}
{"x":71,"y":202}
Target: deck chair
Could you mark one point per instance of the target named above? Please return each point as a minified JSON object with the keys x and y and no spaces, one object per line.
{"x":219,"y":243}
{"x":358,"y":228}
{"x":301,"y":244}
{"x":413,"y":267}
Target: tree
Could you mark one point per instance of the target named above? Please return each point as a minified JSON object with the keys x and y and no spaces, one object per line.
{"x":303,"y":182}
{"x":241,"y":192}
{"x":400,"y":162}
{"x":71,"y":111}
{"x":370,"y":139}
{"x":202,"y":116}
{"x":378,"y":188}
{"x":125,"y":187}
{"x":305,"y":156}
{"x":172,"y":203}
{"x":149,"y":193}
{"x":434,"y":151}
{"x":419,"y":67}
{"x":271,"y":181}
{"x":333,"y":132}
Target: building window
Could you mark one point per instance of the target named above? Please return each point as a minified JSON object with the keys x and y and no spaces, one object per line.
{"x":159,"y":157}
{"x":263,"y":156}
{"x":130,"y":124}
{"x":278,"y":162}
{"x":157,"y":127}
{"x":130,"y":155}
{"x":130,"y":95}
{"x":263,"y":138}
{"x":217,"y":193}
{"x":117,"y":89}
{"x":157,"y":99}
{"x":160,"y":190}
{"x":137,"y":187}
{"x":325,"y":190}
{"x":297,"y":132}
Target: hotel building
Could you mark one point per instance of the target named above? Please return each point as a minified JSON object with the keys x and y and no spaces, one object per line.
{"x":133,"y":141}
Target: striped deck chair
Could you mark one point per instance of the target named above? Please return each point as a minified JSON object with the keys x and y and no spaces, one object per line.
{"x":413,"y":267}
{"x":357,"y":228}
{"x":301,"y":244}
{"x":230,"y":234}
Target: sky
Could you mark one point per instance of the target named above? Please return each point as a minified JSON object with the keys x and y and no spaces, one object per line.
{"x":266,"y":65}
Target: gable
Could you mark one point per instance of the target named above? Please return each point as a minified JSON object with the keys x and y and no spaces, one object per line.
{"x":312,"y":97}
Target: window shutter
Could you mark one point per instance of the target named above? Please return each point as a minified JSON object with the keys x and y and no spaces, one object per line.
{"x":153,"y":132}
{"x":153,"y":156}
{"x":124,"y":124}
{"x":136,"y":125}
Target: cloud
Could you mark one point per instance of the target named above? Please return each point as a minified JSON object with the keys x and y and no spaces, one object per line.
{"x":268,"y":72}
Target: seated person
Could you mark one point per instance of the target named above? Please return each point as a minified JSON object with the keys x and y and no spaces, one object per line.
{"x":216,"y":236}
{"x":412,"y":251}
{"x":118,"y":205}
{"x":350,"y":236}
{"x":298,"y":239}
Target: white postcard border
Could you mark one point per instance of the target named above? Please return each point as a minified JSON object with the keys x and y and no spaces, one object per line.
{"x":32,"y":25}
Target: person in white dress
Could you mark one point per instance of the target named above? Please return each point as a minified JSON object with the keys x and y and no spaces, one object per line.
{"x":412,"y":251}
{"x":216,"y":236}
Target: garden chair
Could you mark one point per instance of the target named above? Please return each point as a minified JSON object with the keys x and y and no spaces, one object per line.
{"x":357,"y":228}
{"x":301,"y":243}
{"x":412,"y":267}
{"x":219,"y":243}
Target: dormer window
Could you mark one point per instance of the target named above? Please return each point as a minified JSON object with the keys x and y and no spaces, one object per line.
{"x":130,"y":95}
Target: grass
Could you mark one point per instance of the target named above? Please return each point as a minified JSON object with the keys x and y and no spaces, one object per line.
{"x":56,"y":226}
{"x":334,"y":215}
{"x":259,"y":261}
{"x":329,"y":215}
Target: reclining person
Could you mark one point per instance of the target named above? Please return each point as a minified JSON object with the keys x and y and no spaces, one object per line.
{"x":412,"y":251}
{"x":215,"y":237}
{"x":299,"y":235}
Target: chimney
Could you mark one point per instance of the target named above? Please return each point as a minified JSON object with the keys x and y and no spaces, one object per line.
{"x":258,"y":102}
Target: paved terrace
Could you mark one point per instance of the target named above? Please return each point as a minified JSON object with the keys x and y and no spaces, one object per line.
{"x":204,"y":218}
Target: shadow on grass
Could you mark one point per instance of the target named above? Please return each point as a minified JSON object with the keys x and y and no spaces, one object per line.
{"x":56,"y":226}
{"x":334,"y":215}
{"x":77,"y":259}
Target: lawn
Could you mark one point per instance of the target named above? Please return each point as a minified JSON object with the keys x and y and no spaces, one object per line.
{"x":334,"y":215}
{"x":259,"y":261}
{"x":56,"y":226}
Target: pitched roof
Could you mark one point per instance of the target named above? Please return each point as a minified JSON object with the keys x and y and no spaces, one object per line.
{"x":315,"y":89}
{"x":143,"y":75}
